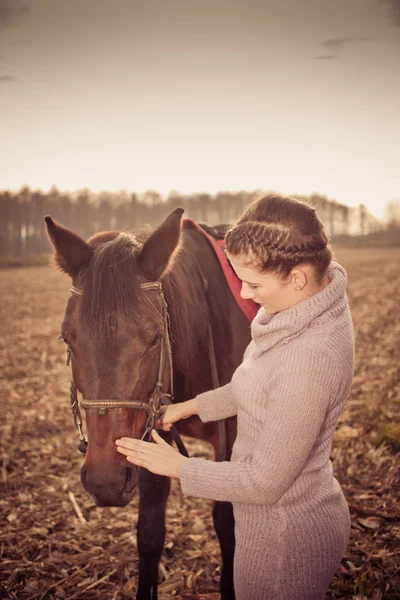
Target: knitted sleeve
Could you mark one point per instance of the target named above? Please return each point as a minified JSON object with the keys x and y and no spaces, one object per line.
{"x":220,"y":403}
{"x":292,"y":416}
{"x":217,"y":404}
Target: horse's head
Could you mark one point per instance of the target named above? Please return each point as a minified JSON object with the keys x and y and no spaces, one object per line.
{"x":115,"y":329}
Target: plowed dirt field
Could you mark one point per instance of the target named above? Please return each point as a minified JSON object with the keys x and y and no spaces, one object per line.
{"x":49,"y":551}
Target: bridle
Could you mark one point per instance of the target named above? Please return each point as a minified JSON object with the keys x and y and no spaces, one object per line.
{"x":157,"y":398}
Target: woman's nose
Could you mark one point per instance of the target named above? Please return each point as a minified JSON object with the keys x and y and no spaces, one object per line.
{"x":246,"y":292}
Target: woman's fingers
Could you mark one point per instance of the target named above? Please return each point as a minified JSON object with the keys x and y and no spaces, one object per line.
{"x":164,"y":416}
{"x":137,"y":456}
{"x":134,"y":447}
{"x":170,"y":414}
{"x":158,"y":439}
{"x":159,"y":458}
{"x":129,"y":443}
{"x":164,"y":426}
{"x":163,"y":422}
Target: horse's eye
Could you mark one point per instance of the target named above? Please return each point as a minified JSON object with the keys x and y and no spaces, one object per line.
{"x":156,"y":339}
{"x":61,"y":337}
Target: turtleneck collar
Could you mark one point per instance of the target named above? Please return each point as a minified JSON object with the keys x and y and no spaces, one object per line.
{"x":268,"y":330}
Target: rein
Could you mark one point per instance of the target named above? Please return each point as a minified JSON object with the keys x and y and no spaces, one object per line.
{"x":157,"y":398}
{"x":221,"y":423}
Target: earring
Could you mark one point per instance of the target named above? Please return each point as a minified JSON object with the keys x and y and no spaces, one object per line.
{"x":298,"y":287}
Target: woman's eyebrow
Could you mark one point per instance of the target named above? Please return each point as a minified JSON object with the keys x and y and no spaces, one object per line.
{"x":249,"y":283}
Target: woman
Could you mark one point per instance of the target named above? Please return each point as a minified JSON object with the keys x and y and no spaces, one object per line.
{"x":291,"y":519}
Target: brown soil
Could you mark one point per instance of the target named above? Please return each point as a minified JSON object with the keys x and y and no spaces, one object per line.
{"x":49,"y":551}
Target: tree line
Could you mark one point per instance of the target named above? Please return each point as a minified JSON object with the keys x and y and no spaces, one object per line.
{"x":22,"y":214}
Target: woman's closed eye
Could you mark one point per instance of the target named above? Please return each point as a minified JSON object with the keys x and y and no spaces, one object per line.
{"x":252,"y":286}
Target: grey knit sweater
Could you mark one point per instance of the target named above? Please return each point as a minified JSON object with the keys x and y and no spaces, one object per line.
{"x":291,"y":518}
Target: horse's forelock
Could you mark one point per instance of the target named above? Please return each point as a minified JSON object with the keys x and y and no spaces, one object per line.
{"x":111,"y":285}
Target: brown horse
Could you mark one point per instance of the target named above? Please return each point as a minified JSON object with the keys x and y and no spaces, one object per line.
{"x":114,"y":330}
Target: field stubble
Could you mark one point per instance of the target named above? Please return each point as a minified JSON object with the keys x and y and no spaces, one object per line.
{"x":55,"y":543}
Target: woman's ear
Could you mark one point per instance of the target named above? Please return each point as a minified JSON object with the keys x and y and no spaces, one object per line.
{"x":298,"y":279}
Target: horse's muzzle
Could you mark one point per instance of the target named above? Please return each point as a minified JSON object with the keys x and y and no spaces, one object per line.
{"x":117,"y":490}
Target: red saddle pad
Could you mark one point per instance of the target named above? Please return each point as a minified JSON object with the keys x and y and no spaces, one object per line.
{"x":248,"y":307}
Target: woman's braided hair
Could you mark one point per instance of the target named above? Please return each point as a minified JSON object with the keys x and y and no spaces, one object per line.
{"x":277,"y":233}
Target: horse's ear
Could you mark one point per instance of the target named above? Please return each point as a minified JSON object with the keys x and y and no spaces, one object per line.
{"x":71,"y":251}
{"x":158,"y":250}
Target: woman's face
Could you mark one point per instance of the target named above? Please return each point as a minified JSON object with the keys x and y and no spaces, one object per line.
{"x":272,"y":292}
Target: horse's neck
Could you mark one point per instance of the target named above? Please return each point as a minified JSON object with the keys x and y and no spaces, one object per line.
{"x":186,"y":293}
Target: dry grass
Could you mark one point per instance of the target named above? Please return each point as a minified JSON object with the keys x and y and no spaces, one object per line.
{"x":49,"y":551}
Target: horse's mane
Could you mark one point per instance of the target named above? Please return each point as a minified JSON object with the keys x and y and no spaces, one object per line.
{"x":111,"y":284}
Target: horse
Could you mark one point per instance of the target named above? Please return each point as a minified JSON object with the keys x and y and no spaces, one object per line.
{"x":134,"y":299}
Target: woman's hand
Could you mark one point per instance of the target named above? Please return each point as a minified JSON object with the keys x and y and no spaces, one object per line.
{"x":175,"y":412}
{"x":159,"y":458}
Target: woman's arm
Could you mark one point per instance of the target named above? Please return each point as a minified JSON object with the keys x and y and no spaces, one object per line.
{"x":219,"y":403}
{"x":216,"y":404}
{"x":210,"y":406}
{"x":292,"y":419}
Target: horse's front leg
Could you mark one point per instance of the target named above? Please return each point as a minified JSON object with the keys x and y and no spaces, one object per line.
{"x":153,"y":494}
{"x":224,"y":524}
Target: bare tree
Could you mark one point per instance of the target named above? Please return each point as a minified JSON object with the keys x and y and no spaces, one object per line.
{"x":392,"y":212}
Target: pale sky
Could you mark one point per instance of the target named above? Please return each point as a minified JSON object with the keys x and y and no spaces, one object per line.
{"x":202,"y":96}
